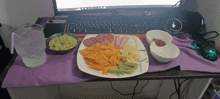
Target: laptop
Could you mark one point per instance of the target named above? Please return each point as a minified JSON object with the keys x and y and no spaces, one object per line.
{"x":114,"y":16}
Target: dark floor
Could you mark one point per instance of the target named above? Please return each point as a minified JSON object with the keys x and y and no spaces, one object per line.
{"x":5,"y":95}
{"x":207,"y":95}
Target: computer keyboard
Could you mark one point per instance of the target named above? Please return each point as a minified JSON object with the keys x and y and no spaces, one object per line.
{"x":113,"y":24}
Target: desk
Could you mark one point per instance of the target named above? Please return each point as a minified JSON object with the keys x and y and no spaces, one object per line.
{"x":173,"y":73}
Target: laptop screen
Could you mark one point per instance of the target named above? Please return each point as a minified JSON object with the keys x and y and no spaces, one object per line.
{"x":91,"y":5}
{"x":74,"y":5}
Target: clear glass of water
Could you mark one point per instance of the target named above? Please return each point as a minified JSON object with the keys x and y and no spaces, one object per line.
{"x":31,"y":44}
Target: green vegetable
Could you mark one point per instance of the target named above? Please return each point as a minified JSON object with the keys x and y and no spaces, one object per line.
{"x":123,"y":67}
{"x":130,"y":64}
{"x":120,"y":63}
{"x":115,"y":70}
{"x":131,"y":70}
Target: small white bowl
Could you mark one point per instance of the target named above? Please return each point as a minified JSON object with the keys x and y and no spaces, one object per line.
{"x":158,"y":34}
{"x":164,"y":54}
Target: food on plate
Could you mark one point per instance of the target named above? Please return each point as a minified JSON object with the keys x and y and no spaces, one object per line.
{"x":123,"y":67}
{"x":130,"y":64}
{"x":135,"y":41}
{"x":105,"y":42}
{"x":130,"y":67}
{"x":100,"y":37}
{"x":94,"y":40}
{"x":110,"y":37}
{"x":63,"y":42}
{"x":115,"y":70}
{"x":110,"y":54}
{"x":159,"y":42}
{"x":131,"y":53}
{"x":123,"y":59}
{"x":127,"y":67}
{"x":101,"y":57}
{"x":120,"y":65}
{"x":89,"y":42}
{"x":124,"y":40}
{"x":117,"y":41}
{"x":113,"y":42}
{"x":105,"y":36}
{"x":104,"y":39}
{"x":129,"y":71}
{"x":129,"y":47}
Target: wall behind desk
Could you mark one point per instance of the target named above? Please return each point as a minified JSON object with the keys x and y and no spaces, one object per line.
{"x":210,"y":11}
{"x":17,"y":12}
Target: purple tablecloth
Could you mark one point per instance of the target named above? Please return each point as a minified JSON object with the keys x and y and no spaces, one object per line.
{"x":62,"y":69}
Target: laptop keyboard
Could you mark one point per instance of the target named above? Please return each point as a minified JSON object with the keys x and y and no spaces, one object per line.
{"x":117,"y":24}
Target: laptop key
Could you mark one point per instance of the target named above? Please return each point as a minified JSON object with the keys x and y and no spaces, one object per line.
{"x":119,"y":30}
{"x":132,"y":30}
{"x":110,"y":30}
{"x":80,"y":30}
{"x":70,"y":30}
{"x":85,"y":31}
{"x":76,"y":30}
{"x":105,"y":30}
{"x":124,"y":30}
{"x":98,"y":26}
{"x":92,"y":30}
{"x":114,"y":31}
{"x":88,"y":30}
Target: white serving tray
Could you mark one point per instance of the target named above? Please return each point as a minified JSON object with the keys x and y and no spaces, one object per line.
{"x":142,"y":68}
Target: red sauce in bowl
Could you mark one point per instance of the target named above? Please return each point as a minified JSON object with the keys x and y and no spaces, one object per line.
{"x":159,"y":42}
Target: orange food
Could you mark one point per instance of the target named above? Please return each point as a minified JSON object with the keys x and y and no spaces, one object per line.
{"x":101,"y":57}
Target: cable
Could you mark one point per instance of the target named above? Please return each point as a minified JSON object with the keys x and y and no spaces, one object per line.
{"x":211,"y":32}
{"x":178,"y":88}
{"x":134,"y":89}
{"x":185,"y":90}
{"x":130,"y":93}
{"x":142,"y":88}
{"x":118,"y":91}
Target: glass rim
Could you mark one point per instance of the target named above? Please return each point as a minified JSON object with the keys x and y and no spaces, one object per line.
{"x":23,"y":26}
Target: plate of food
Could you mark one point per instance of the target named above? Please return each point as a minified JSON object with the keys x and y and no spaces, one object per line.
{"x":112,"y":56}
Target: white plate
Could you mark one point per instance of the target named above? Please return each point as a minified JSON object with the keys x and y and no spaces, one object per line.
{"x":142,"y":68}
